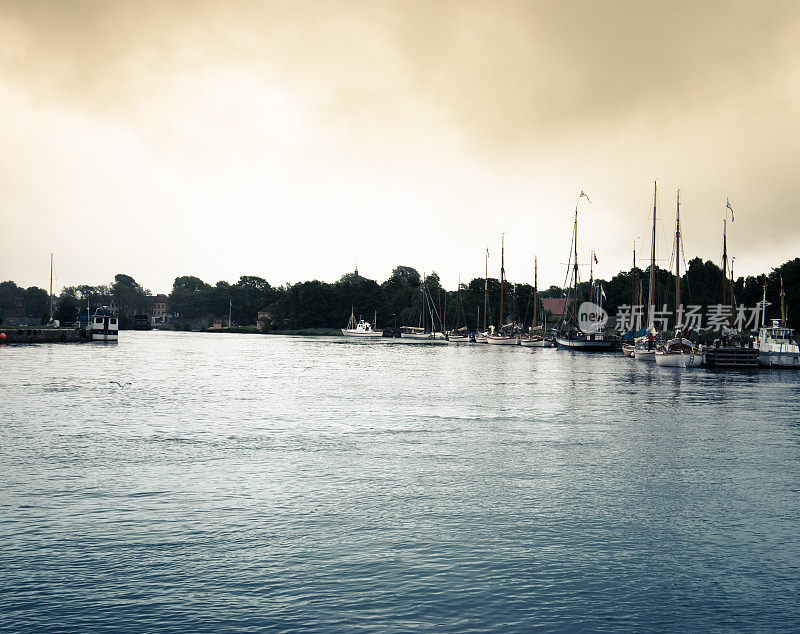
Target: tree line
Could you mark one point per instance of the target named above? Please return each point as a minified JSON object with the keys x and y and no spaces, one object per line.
{"x":395,"y":301}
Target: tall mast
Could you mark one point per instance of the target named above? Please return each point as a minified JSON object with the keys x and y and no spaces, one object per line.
{"x":485,"y":290}
{"x":575,"y":269}
{"x":652,"y":287}
{"x":51,"y":288}
{"x":725,"y":258}
{"x":634,"y":301}
{"x":591,"y":276}
{"x":502,"y":275}
{"x":535,"y":289}
{"x":764,"y":302}
{"x":783,"y":305}
{"x":677,"y":259}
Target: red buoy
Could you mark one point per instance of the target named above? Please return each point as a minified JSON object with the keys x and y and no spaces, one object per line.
{"x":2,"y":336}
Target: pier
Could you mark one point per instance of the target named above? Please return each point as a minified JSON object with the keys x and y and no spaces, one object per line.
{"x":43,"y":335}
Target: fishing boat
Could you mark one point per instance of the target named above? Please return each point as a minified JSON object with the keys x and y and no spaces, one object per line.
{"x":777,"y":345}
{"x":534,"y":339}
{"x":645,"y":345}
{"x":360,"y":328}
{"x":104,"y":325}
{"x":568,"y":333}
{"x":732,"y":349}
{"x":504,"y":336}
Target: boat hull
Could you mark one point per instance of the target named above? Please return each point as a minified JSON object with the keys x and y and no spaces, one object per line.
{"x":361,"y":334}
{"x":536,"y":343}
{"x":779,"y":360}
{"x":628,"y":350}
{"x":502,"y":341}
{"x":644,"y":355}
{"x":480,"y":338}
{"x":680,"y":360}
{"x":587,"y":345}
{"x":458,"y":339}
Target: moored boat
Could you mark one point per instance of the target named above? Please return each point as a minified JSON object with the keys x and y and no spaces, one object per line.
{"x":104,"y":325}
{"x":679,"y":352}
{"x":360,"y":328}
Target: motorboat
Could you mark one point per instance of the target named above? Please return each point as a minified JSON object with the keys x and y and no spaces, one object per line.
{"x":778,"y":347}
{"x":360,"y":328}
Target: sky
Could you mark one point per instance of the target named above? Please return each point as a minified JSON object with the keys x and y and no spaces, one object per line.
{"x":298,"y":140}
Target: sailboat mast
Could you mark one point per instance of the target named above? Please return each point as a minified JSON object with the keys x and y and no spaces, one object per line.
{"x":724,"y":258}
{"x":535,"y":289}
{"x":51,"y":288}
{"x":575,"y":270}
{"x":764,"y":302}
{"x":502,"y":275}
{"x":651,"y":289}
{"x":677,"y":259}
{"x":591,"y":276}
{"x":783,"y":305}
{"x":634,"y":301}
{"x":485,"y":290}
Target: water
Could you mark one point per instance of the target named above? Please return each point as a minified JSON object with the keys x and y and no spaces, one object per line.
{"x":246,"y":482}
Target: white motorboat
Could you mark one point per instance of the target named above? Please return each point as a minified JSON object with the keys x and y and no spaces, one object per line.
{"x":104,"y":326}
{"x":360,"y":329}
{"x":481,"y":337}
{"x":778,"y":347}
{"x":679,"y":353}
{"x":644,"y":348}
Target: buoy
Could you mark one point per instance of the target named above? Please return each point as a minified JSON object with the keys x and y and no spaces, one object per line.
{"x":2,"y":336}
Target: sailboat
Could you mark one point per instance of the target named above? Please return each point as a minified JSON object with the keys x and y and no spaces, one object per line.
{"x":360,"y":328}
{"x":426,"y":331}
{"x":480,"y":337}
{"x":629,"y":348}
{"x":459,"y":334}
{"x":499,"y":338}
{"x":679,"y":351}
{"x":568,"y":334}
{"x":645,"y":346}
{"x":534,"y":340}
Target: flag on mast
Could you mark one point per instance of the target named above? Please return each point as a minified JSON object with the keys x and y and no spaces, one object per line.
{"x":731,"y":208}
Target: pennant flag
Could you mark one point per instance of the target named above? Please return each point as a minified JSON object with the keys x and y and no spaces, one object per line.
{"x":731,"y":208}
{"x":595,"y":257}
{"x":583,"y":195}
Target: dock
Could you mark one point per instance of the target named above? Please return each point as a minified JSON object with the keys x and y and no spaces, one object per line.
{"x":43,"y":335}
{"x":731,"y":357}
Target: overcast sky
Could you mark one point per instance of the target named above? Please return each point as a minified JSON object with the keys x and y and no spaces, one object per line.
{"x":294,"y":140}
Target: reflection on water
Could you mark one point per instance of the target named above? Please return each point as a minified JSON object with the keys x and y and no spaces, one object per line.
{"x":251,"y":482}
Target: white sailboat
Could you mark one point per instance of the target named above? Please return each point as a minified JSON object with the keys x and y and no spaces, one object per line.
{"x":645,"y":346}
{"x":500,"y":338}
{"x":678,"y":352}
{"x":533,"y":339}
{"x":482,"y":336}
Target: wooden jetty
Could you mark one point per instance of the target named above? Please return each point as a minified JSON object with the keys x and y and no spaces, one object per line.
{"x":731,"y":357}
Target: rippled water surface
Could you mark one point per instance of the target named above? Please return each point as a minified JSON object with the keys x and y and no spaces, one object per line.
{"x":242,"y":482}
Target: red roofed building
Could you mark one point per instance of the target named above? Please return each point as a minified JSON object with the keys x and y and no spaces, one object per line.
{"x":556,"y":306}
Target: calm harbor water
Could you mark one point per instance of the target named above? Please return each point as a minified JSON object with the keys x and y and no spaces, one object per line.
{"x":242,"y":482}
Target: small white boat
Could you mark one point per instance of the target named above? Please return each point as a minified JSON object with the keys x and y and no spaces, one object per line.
{"x":411,"y":334}
{"x":679,"y":353}
{"x":502,"y":340}
{"x":458,"y":337}
{"x":645,"y":348}
{"x":628,"y":349}
{"x":777,"y":347}
{"x":535,"y":342}
{"x":481,"y":337}
{"x":104,"y":326}
{"x":360,"y":329}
